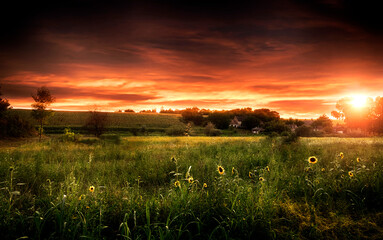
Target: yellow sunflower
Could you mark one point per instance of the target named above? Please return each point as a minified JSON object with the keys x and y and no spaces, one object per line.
{"x":190,"y":180}
{"x":251,"y":175}
{"x":261,"y":179}
{"x":232,"y":171}
{"x":267,"y":168}
{"x":341,"y":155}
{"x":221,"y":170}
{"x":205,"y":185}
{"x":323,"y":170}
{"x":350,"y":173}
{"x":91,"y":189}
{"x":177,"y":184}
{"x":312,"y":160}
{"x":357,"y":159}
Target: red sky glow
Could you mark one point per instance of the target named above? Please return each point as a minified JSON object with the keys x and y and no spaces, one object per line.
{"x":293,"y":57}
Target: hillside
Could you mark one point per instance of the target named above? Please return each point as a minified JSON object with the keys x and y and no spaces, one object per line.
{"x":118,"y":121}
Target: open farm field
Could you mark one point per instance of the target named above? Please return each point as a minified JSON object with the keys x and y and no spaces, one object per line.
{"x":117,"y":122}
{"x":193,"y":188}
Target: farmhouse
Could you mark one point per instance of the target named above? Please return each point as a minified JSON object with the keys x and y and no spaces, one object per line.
{"x":236,"y":122}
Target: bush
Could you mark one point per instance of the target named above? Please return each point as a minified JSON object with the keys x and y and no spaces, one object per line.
{"x":175,"y":131}
{"x":210,"y":130}
{"x":291,"y":138}
{"x":96,"y":123}
{"x":304,"y":131}
{"x":70,"y":136}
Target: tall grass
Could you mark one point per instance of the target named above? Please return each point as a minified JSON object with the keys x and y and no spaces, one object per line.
{"x":170,"y":188}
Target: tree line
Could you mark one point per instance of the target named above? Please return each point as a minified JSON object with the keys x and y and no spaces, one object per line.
{"x":368,"y":118}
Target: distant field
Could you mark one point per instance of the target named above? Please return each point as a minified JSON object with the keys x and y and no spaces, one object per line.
{"x":119,"y":121}
{"x":141,"y":189}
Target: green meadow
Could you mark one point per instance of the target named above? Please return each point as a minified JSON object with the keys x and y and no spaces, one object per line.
{"x":193,"y":188}
{"x":116,"y":122}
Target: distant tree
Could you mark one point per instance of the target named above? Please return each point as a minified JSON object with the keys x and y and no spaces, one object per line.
{"x":376,"y":115}
{"x":96,"y":123}
{"x":276,"y":126}
{"x":251,"y":122}
{"x":220,"y":119}
{"x":43,"y":99}
{"x":266,"y":115}
{"x":4,"y":105}
{"x":129,"y":110}
{"x":324,"y":123}
{"x":192,"y":115}
{"x":353,"y":117}
{"x":304,"y":131}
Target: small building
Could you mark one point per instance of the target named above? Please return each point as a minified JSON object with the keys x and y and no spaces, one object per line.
{"x":236,"y":122}
{"x":257,"y":130}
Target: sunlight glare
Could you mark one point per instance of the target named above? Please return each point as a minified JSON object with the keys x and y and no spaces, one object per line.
{"x":359,"y":101}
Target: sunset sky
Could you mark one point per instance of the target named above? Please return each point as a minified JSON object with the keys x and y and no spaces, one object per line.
{"x":295,"y":57}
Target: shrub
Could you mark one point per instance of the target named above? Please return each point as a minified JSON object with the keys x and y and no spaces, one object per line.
{"x":175,"y":131}
{"x":70,"y":136}
{"x":304,"y":131}
{"x":210,"y":130}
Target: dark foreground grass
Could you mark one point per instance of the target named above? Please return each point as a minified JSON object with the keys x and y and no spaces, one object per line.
{"x":170,"y":188}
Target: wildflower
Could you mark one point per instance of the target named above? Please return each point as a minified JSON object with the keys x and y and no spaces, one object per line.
{"x":221,"y":170}
{"x":190,"y":180}
{"x":357,"y":159}
{"x":87,"y":207}
{"x":91,"y":189}
{"x":251,"y":175}
{"x":232,"y":171}
{"x":82,"y":196}
{"x":350,"y":173}
{"x":177,"y":184}
{"x":205,"y":185}
{"x":312,"y":160}
{"x":341,"y":155}
{"x":261,"y":179}
{"x":267,"y":168}
{"x":323,"y":169}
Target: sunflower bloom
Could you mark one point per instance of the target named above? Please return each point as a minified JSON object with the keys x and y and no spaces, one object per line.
{"x":251,"y":175}
{"x":357,"y":159}
{"x":312,"y":160}
{"x":341,"y":155}
{"x":267,"y":168}
{"x":177,"y":184}
{"x":261,"y":179}
{"x":350,"y":173}
{"x":323,"y":169}
{"x":205,"y":185}
{"x":232,"y":171}
{"x":221,"y":170}
{"x":91,"y":189}
{"x":190,"y":180}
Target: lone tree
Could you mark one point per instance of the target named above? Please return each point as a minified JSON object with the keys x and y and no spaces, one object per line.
{"x":43,"y":99}
{"x":4,"y":105}
{"x":96,"y":122}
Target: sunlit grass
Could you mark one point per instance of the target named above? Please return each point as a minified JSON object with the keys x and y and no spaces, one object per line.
{"x":172,"y":187}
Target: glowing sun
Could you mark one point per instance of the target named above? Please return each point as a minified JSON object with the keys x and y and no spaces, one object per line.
{"x":359,"y":101}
